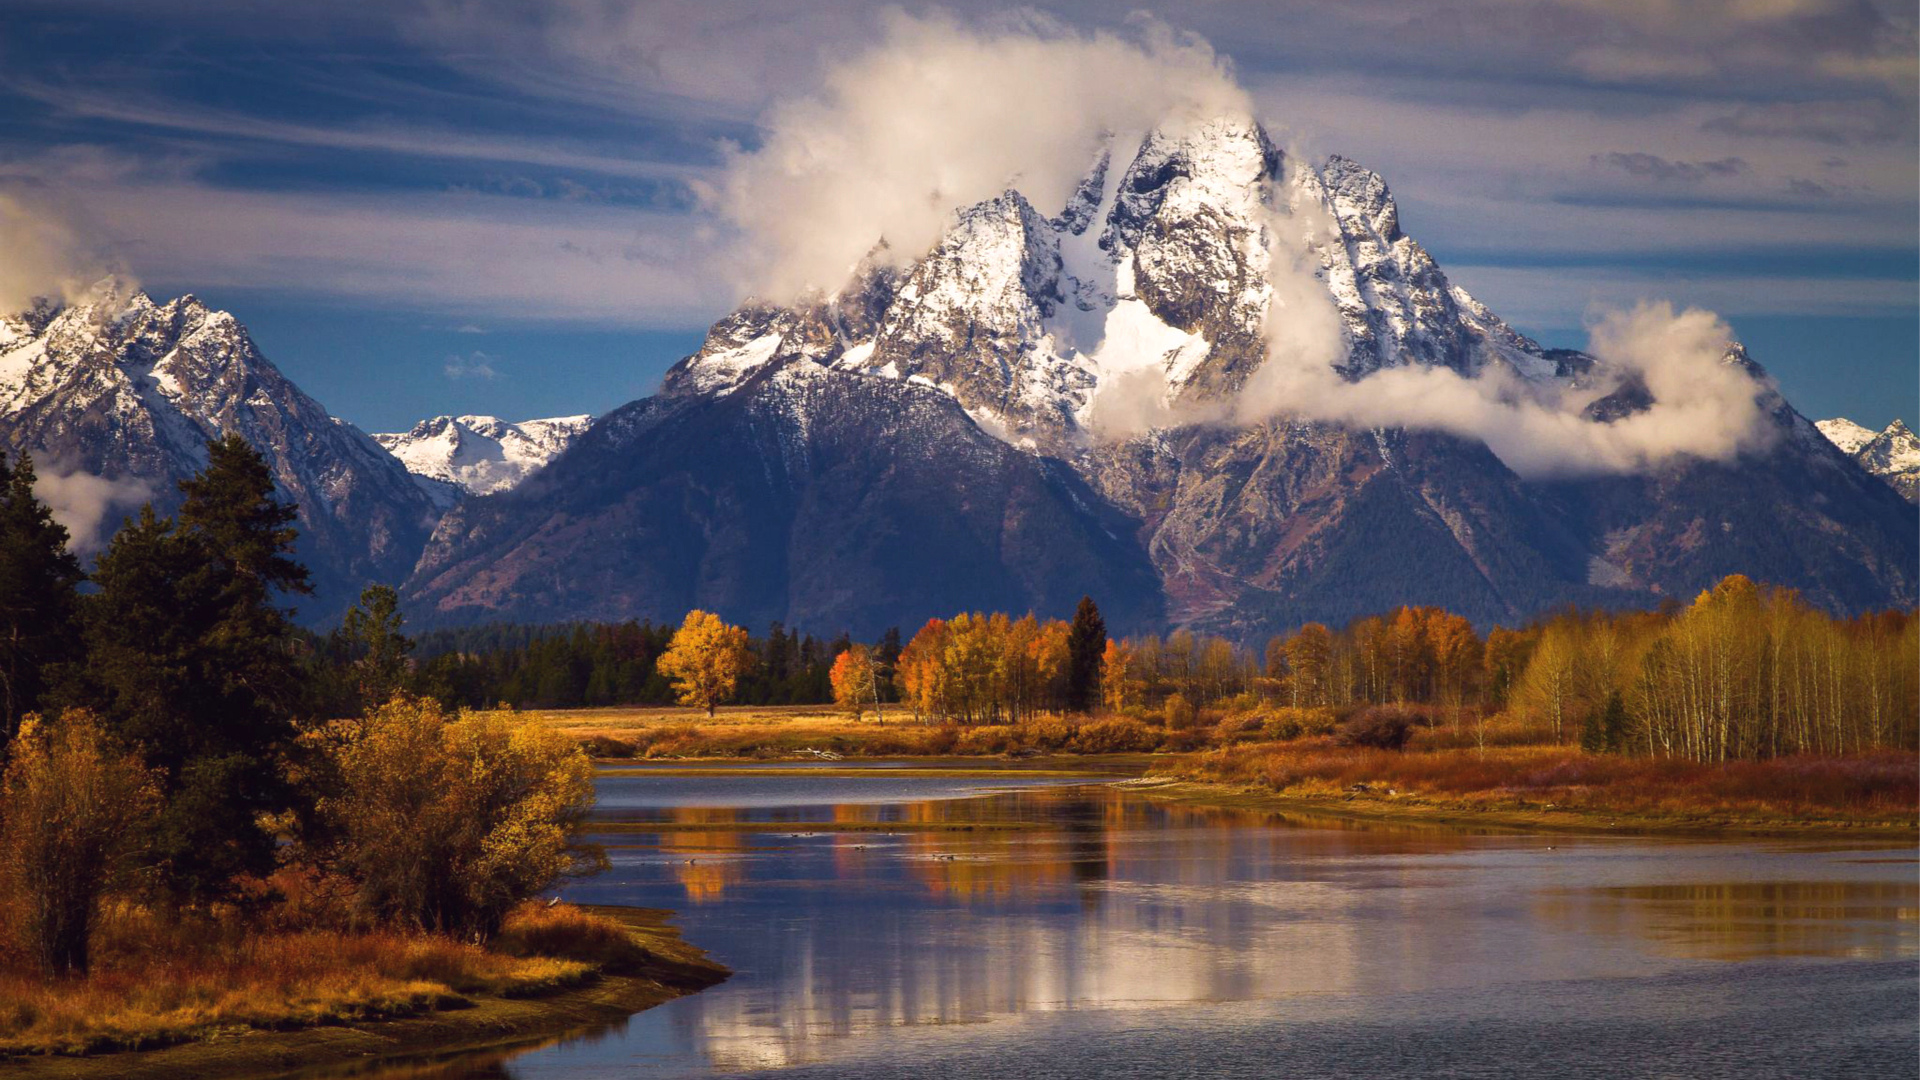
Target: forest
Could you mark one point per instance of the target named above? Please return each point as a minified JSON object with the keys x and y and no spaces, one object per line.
{"x":1742,"y":672}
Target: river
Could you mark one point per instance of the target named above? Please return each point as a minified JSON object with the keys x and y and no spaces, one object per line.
{"x":904,"y":922}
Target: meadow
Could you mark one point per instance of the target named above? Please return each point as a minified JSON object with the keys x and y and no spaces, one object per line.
{"x":1499,"y":771}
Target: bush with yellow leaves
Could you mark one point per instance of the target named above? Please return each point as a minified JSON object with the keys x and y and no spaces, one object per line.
{"x":445,"y":823}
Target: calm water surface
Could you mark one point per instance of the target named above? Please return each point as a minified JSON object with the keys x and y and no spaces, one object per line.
{"x":1037,"y":926}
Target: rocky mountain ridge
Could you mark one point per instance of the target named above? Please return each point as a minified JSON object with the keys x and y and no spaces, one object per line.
{"x":1892,"y":454}
{"x":127,"y":391}
{"x":453,"y":456}
{"x":1147,"y":297}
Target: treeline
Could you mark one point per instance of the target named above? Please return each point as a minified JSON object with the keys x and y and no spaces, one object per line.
{"x":1744,"y":672}
{"x":585,"y":665}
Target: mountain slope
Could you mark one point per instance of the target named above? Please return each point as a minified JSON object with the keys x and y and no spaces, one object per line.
{"x":479,"y":455}
{"x":122,"y":388}
{"x":1100,"y":355}
{"x":839,"y":501}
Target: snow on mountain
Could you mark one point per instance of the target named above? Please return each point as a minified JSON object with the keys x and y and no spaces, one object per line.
{"x":480,"y":455}
{"x":1846,"y":434}
{"x":1892,"y":455}
{"x":127,"y":392}
{"x":1084,"y":359}
{"x":1151,"y":287}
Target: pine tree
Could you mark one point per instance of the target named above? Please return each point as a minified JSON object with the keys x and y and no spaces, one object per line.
{"x":192,"y":662}
{"x":1086,"y":648}
{"x":39,"y":628}
{"x":378,"y":648}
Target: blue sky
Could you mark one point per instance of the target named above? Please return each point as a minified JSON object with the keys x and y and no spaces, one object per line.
{"x":474,"y":205}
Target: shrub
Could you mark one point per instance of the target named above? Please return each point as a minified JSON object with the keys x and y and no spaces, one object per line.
{"x":1298,"y":723}
{"x":1180,"y":713}
{"x":1381,"y":727}
{"x":986,"y":739}
{"x":71,"y":800}
{"x":447,"y":824}
{"x":1116,"y":735}
{"x":1046,"y":732}
{"x":605,"y":746}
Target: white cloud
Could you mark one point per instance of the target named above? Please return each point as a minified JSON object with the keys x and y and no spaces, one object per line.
{"x":83,"y":502}
{"x":474,"y":365}
{"x":942,"y":115}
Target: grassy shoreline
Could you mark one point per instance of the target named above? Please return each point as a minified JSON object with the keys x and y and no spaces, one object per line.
{"x":671,"y":968}
{"x":1414,"y":811}
{"x":1437,"y":781}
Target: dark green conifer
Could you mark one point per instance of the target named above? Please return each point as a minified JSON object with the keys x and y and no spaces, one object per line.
{"x":39,"y":629}
{"x":1086,"y":649}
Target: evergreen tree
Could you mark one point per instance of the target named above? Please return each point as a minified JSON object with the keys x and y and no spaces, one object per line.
{"x":375,"y":645}
{"x":1086,"y":646}
{"x":192,"y":662}
{"x":39,"y":628}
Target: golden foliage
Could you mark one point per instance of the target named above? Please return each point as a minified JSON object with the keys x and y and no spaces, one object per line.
{"x":445,"y":824}
{"x":71,"y":802}
{"x":705,"y":660}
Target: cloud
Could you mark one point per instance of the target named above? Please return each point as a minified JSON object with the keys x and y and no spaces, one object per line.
{"x":474,"y":365}
{"x":1834,"y":123}
{"x":1658,"y":168}
{"x":84,"y":502}
{"x":1703,"y":404}
{"x":41,"y":255}
{"x":942,"y":115}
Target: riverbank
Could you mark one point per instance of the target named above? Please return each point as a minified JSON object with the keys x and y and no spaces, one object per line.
{"x":1557,"y":789}
{"x":661,"y":966}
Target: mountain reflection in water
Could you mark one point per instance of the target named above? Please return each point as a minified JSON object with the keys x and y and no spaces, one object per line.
{"x":1066,"y":931}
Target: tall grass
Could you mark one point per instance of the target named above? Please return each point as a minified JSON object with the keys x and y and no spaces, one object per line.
{"x":156,"y":983}
{"x":1871,"y":787}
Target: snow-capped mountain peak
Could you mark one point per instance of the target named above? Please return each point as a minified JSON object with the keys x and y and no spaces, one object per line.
{"x":128,"y":391}
{"x":481,"y":455}
{"x":1892,"y":454}
{"x":1846,"y":434}
{"x":1150,"y":288}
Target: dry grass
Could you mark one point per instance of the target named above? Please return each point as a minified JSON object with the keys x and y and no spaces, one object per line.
{"x":770,"y":732}
{"x":1873,"y":788}
{"x":154,"y":984}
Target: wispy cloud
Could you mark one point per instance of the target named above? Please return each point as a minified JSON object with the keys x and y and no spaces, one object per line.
{"x":1655,"y":167}
{"x":474,"y":365}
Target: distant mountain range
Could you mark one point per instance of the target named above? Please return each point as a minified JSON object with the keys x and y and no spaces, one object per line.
{"x":1892,"y":454}
{"x":929,"y":438}
{"x":479,"y":455}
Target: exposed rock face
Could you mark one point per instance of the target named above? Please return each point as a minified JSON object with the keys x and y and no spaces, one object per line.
{"x":131,"y":391}
{"x":1893,"y":455}
{"x":976,"y":387}
{"x":450,"y":456}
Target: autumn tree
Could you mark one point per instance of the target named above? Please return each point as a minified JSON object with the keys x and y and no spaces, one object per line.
{"x":920,"y":676}
{"x":1310,"y":657}
{"x":705,"y":660}
{"x":1123,"y":683}
{"x":856,"y":680}
{"x":445,"y":823}
{"x":39,"y":626}
{"x":1086,"y":649}
{"x":68,"y":824}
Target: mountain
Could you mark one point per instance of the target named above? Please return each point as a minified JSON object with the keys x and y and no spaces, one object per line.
{"x":1892,"y":455}
{"x":801,"y":494}
{"x":1044,"y":403}
{"x":479,"y":455}
{"x":116,"y":397}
